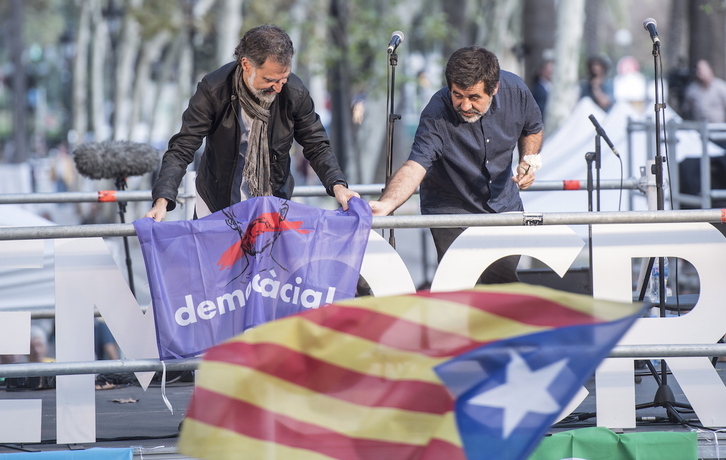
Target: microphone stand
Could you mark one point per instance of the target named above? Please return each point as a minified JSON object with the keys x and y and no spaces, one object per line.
{"x":589,"y":158}
{"x":121,"y":185}
{"x":392,"y":117}
{"x":598,"y":164}
{"x":664,"y":396}
{"x":595,"y":156}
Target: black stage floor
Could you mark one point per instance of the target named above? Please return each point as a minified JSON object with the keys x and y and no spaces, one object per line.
{"x":126,"y":416}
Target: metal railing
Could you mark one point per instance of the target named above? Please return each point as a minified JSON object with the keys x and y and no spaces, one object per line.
{"x":300,"y":191}
{"x":189,"y":364}
{"x":707,"y":132}
{"x":389,"y":222}
{"x":96,"y":367}
{"x":415,"y":221}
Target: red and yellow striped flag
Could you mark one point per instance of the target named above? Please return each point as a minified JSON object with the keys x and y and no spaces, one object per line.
{"x":356,"y":380}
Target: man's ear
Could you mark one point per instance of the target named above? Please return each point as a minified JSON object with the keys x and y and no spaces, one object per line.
{"x":246,"y":64}
{"x":496,"y":88}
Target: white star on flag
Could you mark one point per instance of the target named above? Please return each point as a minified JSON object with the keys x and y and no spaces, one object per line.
{"x":524,"y":391}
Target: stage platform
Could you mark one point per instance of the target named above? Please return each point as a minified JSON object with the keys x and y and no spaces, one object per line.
{"x":128,"y":416}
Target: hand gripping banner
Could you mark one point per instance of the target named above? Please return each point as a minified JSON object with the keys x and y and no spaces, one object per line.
{"x":265,"y":258}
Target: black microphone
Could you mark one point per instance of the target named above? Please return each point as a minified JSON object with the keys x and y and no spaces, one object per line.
{"x":396,"y":39}
{"x":115,"y":159}
{"x":601,"y":133}
{"x":649,"y":25}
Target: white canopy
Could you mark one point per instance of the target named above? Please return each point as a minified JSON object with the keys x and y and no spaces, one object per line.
{"x":563,"y":157}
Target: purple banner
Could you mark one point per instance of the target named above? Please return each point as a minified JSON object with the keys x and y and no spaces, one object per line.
{"x":264,"y":258}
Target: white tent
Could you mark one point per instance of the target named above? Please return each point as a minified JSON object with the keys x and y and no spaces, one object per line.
{"x":563,"y":157}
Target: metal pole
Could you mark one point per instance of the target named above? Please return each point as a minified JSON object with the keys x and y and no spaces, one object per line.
{"x":96,"y":367}
{"x":300,"y":191}
{"x":188,"y":364}
{"x":415,"y":221}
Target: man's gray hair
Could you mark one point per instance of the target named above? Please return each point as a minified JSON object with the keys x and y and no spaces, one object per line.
{"x":265,"y":42}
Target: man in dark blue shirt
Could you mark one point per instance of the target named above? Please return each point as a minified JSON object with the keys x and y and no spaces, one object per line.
{"x":463,"y":148}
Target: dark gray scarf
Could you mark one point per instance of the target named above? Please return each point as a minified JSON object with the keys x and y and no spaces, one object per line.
{"x":257,"y":158}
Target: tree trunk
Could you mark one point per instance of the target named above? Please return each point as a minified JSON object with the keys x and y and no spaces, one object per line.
{"x":301,"y":13}
{"x":455,"y":12}
{"x":172,"y":62}
{"x":592,"y":18}
{"x":340,"y":136}
{"x":80,"y":73}
{"x":499,"y":30}
{"x":229,"y":25}
{"x":128,"y":52}
{"x":538,"y":34}
{"x":676,"y":34}
{"x":99,"y":54}
{"x":141,"y":112}
{"x":20,"y":87}
{"x":570,"y":15}
{"x":186,"y":71}
{"x":706,"y":31}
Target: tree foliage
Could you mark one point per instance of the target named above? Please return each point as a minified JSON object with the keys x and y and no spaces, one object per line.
{"x":174,"y":42}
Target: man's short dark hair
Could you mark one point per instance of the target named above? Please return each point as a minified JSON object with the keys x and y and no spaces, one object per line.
{"x":265,"y":42}
{"x":471,"y":65}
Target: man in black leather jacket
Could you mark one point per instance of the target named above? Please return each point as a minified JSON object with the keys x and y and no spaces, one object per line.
{"x":249,"y":111}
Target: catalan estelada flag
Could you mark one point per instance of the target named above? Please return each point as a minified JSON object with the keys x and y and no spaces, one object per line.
{"x":423,"y":376}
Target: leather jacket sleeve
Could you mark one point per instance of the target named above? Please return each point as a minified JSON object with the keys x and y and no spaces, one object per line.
{"x":197,"y":122}
{"x":311,"y":135}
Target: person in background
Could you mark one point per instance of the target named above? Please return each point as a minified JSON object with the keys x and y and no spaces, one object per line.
{"x":462,"y":152}
{"x":542,"y":84}
{"x":38,"y":349}
{"x":679,"y":76}
{"x":705,"y":99}
{"x":598,"y":86}
{"x":630,"y":85}
{"x":39,"y":346}
{"x":705,"y":96}
{"x":249,"y":111}
{"x":105,"y":345}
{"x":38,"y":354}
